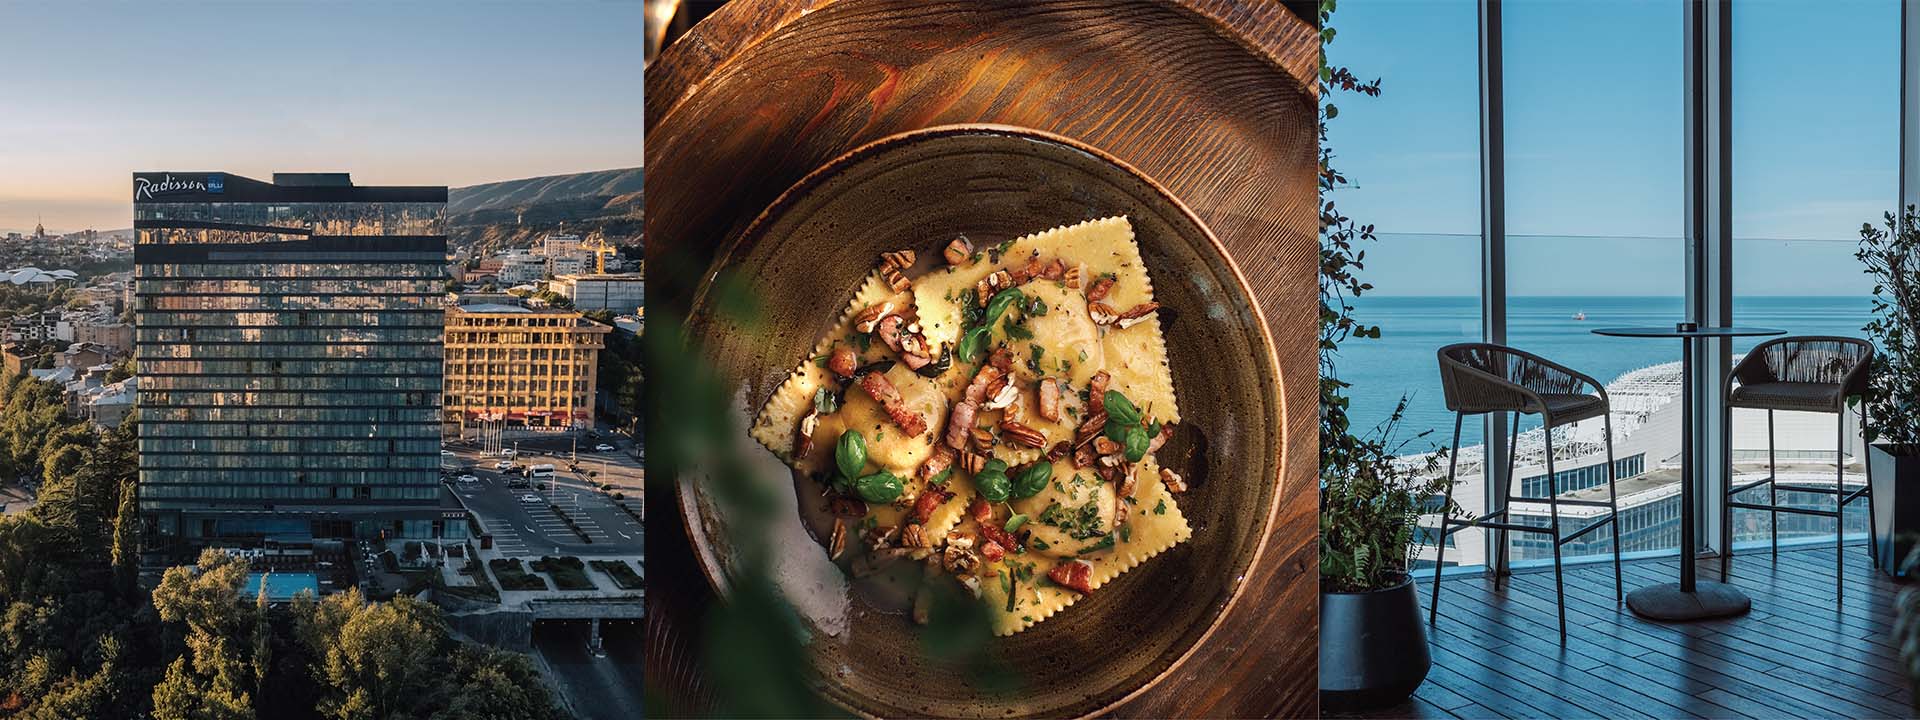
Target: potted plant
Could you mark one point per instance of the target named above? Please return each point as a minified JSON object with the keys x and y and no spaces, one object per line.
{"x":1892,"y":257}
{"x":1373,"y":640}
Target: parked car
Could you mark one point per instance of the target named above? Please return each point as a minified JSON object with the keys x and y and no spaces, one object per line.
{"x":509,"y":452}
{"x":467,"y":479}
{"x":529,"y":498}
{"x":603,"y":447}
{"x":503,"y":465}
{"x":446,"y":453}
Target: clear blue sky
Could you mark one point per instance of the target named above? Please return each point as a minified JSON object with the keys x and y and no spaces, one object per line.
{"x":437,"y":93}
{"x":1594,"y":143}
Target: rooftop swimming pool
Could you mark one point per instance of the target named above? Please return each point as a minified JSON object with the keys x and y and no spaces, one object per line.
{"x":282,"y":586}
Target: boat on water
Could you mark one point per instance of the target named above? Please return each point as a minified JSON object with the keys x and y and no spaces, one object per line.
{"x":1579,"y":316}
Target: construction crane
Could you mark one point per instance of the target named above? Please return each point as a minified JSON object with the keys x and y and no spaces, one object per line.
{"x":598,"y":245}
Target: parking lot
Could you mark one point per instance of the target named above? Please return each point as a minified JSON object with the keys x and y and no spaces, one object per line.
{"x":526,"y":521}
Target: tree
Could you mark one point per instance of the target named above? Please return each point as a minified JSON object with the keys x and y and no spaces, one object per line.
{"x":490,"y":684}
{"x":381,"y":664}
{"x":213,"y":677}
{"x":126,"y":541}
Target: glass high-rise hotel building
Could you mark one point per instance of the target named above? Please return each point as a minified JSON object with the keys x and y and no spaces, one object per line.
{"x":289,"y":357}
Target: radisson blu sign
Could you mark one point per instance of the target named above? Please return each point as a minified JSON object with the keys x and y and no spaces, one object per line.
{"x":152,"y":187}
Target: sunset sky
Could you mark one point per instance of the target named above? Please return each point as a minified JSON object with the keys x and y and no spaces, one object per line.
{"x":397,"y":94}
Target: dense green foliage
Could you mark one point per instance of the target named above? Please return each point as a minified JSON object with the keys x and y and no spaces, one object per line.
{"x":78,"y":639}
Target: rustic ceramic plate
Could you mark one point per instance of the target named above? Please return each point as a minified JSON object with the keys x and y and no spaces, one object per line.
{"x":805,"y":256}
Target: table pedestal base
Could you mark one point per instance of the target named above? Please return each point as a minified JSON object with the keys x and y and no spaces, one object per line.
{"x":1708,"y":600}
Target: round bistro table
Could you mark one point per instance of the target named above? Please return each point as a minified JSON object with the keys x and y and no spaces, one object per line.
{"x":1691,"y":598}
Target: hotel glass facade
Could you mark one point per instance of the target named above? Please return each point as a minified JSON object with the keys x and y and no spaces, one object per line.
{"x":288,"y":341}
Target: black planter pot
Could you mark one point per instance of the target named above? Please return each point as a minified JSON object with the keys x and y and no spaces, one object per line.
{"x":1373,"y":648}
{"x":1895,"y":470}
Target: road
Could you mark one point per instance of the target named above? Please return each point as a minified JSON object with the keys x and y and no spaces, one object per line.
{"x":597,"y":688}
{"x":531,"y":529}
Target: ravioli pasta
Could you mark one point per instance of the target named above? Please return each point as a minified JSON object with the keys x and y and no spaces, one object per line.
{"x":993,"y":414}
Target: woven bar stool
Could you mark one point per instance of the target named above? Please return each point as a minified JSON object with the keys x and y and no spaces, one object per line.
{"x":1805,"y":374}
{"x":1481,"y":378}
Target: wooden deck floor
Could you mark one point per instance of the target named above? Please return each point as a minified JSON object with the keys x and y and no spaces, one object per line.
{"x":1796,"y":654}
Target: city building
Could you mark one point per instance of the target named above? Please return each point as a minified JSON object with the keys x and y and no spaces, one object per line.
{"x":115,"y":336}
{"x":520,"y":366}
{"x":519,"y":266}
{"x":624,"y":293}
{"x":288,"y":340}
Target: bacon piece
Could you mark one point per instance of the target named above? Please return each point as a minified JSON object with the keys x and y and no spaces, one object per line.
{"x":976,"y":391}
{"x":960,"y":424}
{"x":1050,"y":399}
{"x":1060,"y":450}
{"x":882,"y":390}
{"x":981,"y":511}
{"x":1097,"y":393}
{"x":889,"y":331}
{"x":1074,"y":575}
{"x":958,"y":251}
{"x":928,"y":502}
{"x":913,"y":361}
{"x":936,"y":463}
{"x":992,"y":551}
{"x":842,"y":362}
{"x":1099,"y":289}
{"x":993,"y":534}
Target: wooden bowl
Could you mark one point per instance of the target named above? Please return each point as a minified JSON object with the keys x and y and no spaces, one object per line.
{"x":809,"y":250}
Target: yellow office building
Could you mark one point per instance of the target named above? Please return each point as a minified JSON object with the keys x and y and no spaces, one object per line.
{"x":522,"y":366}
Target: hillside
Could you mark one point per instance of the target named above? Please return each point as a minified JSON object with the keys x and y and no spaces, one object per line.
{"x":483,"y":219}
{"x":533,"y":191}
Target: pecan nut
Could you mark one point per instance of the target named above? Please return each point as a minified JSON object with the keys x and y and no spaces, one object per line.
{"x":902,"y":259}
{"x":1021,"y":434}
{"x":1173,"y":481}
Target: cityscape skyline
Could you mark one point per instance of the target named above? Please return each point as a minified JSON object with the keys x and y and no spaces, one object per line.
{"x":490,"y":93}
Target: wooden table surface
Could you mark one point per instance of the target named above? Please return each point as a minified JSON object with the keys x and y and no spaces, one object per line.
{"x":735,"y":113}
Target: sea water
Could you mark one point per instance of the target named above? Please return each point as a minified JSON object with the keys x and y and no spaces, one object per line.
{"x":1402,"y":361}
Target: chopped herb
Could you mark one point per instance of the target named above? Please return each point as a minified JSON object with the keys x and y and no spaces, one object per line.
{"x":941,"y":479}
{"x":1083,"y":356}
{"x":1006,"y":583}
{"x":821,"y":361}
{"x":1018,"y":331}
{"x":1105,"y":543}
{"x":1160,"y":508}
{"x":1026,"y":618}
{"x":1036,"y":307}
{"x":1014,"y":523}
{"x":1038,"y":352}
{"x":1038,"y":544}
{"x":1078,"y":523}
{"x":1126,"y":533}
{"x":864,"y":340}
{"x":870,"y":522}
